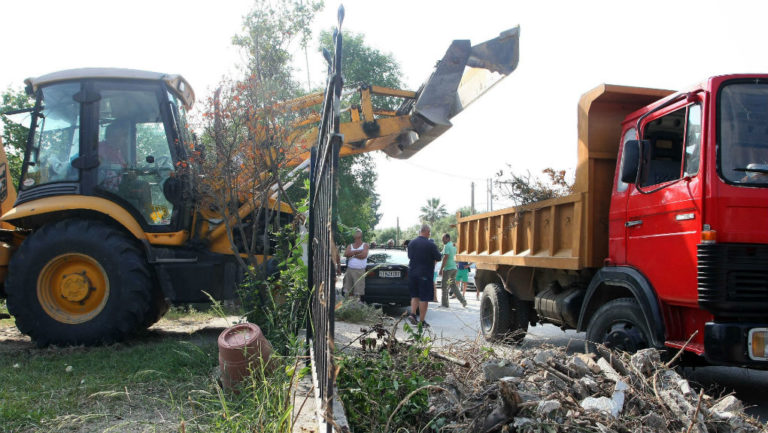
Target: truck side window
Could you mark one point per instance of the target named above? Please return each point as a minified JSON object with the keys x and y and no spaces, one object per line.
{"x":693,"y":140}
{"x":665,"y":153}
{"x":631,"y":134}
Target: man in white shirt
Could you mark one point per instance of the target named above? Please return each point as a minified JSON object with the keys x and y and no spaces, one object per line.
{"x":357,"y":260}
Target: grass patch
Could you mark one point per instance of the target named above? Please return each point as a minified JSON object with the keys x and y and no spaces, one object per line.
{"x":148,"y":382}
{"x":191,"y":312}
{"x":353,"y":311}
{"x":263,"y":404}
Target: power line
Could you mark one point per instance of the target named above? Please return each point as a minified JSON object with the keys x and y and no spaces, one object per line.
{"x":432,"y":170}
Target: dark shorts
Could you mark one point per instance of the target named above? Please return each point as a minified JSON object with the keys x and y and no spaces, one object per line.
{"x":422,"y":288}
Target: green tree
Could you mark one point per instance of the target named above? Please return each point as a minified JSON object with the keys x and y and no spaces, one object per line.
{"x":432,"y":211}
{"x":14,"y":134}
{"x":358,"y":202}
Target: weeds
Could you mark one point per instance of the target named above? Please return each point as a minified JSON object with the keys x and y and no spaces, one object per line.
{"x":389,"y":383}
{"x":263,"y":402}
{"x":280,"y":303}
{"x":353,"y":311}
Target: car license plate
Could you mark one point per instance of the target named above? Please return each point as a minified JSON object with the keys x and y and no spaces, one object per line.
{"x":389,"y":274}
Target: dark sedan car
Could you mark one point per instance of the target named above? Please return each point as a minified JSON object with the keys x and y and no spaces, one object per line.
{"x":386,"y":282}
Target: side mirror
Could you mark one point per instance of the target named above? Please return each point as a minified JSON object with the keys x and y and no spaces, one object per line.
{"x":630,"y":161}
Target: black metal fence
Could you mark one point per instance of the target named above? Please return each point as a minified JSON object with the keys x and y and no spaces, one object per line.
{"x":322,"y":226}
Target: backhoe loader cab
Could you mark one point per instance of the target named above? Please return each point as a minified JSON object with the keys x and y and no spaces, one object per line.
{"x":110,"y":133}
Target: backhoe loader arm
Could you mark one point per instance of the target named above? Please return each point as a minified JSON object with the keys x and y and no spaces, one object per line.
{"x":464,"y":74}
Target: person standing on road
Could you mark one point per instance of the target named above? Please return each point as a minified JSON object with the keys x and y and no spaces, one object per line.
{"x":462,"y":277}
{"x":422,"y":255}
{"x":357,"y":259}
{"x":448,"y":272}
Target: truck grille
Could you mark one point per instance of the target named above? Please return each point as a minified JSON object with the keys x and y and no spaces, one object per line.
{"x":733,"y":279}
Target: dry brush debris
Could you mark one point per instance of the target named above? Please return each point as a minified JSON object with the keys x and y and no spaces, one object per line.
{"x":548,"y":390}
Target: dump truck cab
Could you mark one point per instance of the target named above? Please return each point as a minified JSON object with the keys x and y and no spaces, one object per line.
{"x":116,"y":136}
{"x":699,"y":196}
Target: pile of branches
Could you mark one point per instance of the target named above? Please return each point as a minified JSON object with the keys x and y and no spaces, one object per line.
{"x":548,"y":390}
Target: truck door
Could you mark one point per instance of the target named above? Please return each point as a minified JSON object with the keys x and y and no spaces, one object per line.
{"x":664,"y":210}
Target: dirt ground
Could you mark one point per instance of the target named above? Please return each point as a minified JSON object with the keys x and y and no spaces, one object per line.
{"x":11,"y":340}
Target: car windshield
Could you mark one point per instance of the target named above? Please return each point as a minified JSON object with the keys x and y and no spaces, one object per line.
{"x":743,"y":136}
{"x":380,"y":257}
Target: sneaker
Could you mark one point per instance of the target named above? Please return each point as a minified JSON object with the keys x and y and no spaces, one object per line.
{"x":413,"y":319}
{"x":464,"y":305}
{"x":424,"y":324}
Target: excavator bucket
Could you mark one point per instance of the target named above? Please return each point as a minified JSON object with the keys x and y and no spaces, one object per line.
{"x":463,"y":74}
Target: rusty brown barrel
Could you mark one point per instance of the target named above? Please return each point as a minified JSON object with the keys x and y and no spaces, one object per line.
{"x":242,"y":347}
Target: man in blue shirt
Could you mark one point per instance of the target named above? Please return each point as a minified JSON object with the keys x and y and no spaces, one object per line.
{"x":422,"y":254}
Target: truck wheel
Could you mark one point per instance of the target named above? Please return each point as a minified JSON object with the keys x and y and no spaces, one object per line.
{"x":502,"y":316}
{"x":619,"y":324}
{"x":78,"y":282}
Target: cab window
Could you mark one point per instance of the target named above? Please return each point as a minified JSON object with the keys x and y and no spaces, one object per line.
{"x":134,"y":152}
{"x":56,"y":142}
{"x":674,"y":146}
{"x":631,"y":134}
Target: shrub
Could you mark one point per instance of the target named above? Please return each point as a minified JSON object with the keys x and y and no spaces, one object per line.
{"x":392,"y":381}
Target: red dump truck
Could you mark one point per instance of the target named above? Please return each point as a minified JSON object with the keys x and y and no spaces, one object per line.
{"x":664,"y":240}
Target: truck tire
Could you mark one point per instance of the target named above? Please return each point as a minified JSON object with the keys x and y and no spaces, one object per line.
{"x":618,"y":324}
{"x":502,"y":316}
{"x":78,"y":282}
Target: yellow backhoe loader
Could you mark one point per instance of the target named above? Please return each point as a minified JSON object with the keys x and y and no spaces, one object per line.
{"x":101,"y":233}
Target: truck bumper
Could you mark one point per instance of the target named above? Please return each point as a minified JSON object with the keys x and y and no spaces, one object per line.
{"x":732,"y":344}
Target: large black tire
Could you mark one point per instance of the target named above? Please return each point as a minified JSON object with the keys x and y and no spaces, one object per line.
{"x":620,"y":325}
{"x":78,"y":282}
{"x":502,"y":316}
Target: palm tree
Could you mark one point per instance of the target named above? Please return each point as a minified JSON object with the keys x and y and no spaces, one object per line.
{"x":433,"y":211}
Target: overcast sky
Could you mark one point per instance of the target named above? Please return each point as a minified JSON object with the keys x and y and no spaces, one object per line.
{"x":529,"y":120}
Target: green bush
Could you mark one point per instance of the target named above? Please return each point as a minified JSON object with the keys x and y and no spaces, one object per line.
{"x":280,"y":304}
{"x":373,"y":383}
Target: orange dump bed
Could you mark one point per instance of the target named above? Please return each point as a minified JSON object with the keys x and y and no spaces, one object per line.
{"x":567,"y":232}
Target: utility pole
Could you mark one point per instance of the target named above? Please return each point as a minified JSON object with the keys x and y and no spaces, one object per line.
{"x":472,"y":206}
{"x":397,"y":233}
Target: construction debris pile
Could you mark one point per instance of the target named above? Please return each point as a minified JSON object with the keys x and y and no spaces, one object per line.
{"x":548,"y":390}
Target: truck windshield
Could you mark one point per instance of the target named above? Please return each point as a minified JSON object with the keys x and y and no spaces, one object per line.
{"x":743,"y":133}
{"x":57,"y":137}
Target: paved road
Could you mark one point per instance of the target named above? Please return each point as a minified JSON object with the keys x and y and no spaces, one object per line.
{"x":456,"y":322}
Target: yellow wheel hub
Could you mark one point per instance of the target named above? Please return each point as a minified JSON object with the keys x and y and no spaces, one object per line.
{"x":73,"y":288}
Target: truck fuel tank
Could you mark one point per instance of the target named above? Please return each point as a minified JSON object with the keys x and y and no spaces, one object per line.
{"x":560,"y":306}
